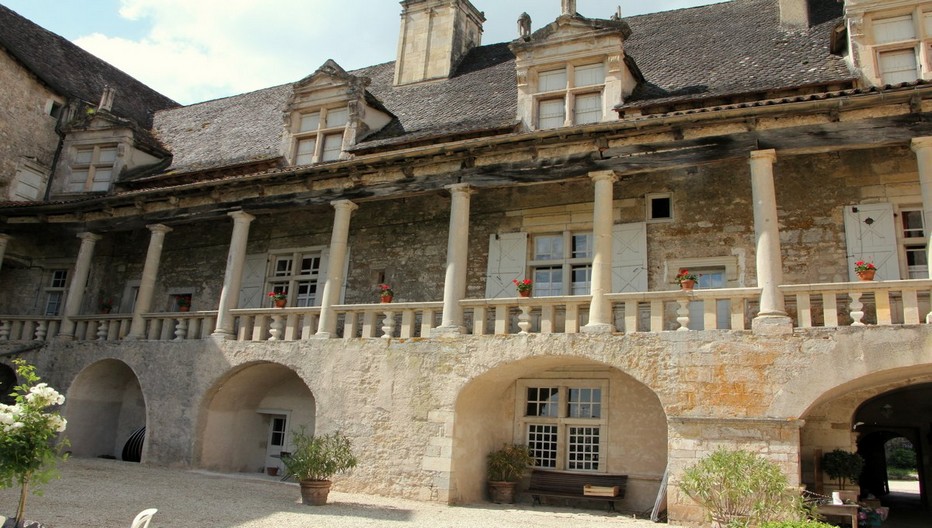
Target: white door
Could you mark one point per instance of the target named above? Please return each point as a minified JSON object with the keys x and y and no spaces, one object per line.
{"x":870,"y":234}
{"x":278,"y":429}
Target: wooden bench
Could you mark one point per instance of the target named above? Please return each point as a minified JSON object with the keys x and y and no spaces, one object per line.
{"x":570,"y":485}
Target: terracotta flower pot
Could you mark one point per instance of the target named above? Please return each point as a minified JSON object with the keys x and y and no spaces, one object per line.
{"x":314,"y":492}
{"x":386,"y":298}
{"x":501,"y":492}
{"x":687,"y":285}
{"x":525,"y":293}
{"x":280,"y":303}
{"x":867,"y":275}
{"x":184,"y":308}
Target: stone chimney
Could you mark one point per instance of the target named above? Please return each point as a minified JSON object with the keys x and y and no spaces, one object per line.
{"x":794,"y":13}
{"x":106,"y":99}
{"x":435,"y":36}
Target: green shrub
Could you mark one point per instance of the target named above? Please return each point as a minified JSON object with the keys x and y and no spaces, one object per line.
{"x":842,"y":465}
{"x":796,"y":524}
{"x":741,"y":489}
{"x":509,"y":463}
{"x":901,"y":458}
{"x":319,"y":457}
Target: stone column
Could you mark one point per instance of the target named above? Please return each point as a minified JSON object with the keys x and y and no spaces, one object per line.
{"x":454,"y":284}
{"x":150,"y":272}
{"x":78,"y":283}
{"x":233,"y":278}
{"x":772,"y":315}
{"x":600,"y":309}
{"x":338,"y":244}
{"x":4,"y":240}
{"x":922,"y":146}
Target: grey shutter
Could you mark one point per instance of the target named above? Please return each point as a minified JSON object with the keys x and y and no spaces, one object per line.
{"x":870,"y":233}
{"x":629,"y":257}
{"x":250,"y":293}
{"x":507,"y":261}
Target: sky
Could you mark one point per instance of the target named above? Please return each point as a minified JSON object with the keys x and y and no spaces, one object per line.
{"x":198,"y":50}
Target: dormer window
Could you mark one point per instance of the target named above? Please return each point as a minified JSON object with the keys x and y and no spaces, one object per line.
{"x":901,"y":45}
{"x":574,"y":91}
{"x":319,"y":135}
{"x":92,"y":170}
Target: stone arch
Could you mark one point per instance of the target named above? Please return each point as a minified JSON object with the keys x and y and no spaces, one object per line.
{"x":7,"y":382}
{"x":235,"y":415}
{"x":104,"y":406}
{"x":486,"y":416}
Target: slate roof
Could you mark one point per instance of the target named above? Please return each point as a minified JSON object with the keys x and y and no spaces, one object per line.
{"x":729,"y":48}
{"x":72,"y":72}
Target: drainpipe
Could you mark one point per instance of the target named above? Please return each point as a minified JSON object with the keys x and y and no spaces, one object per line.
{"x":58,"y":149}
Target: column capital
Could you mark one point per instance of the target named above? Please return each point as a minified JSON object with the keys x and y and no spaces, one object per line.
{"x":768,"y":154}
{"x":241,"y":216}
{"x":87,"y":236}
{"x":159,"y":228}
{"x":603,"y":175}
{"x":344,"y":204}
{"x":459,"y":188}
{"x":920,"y":143}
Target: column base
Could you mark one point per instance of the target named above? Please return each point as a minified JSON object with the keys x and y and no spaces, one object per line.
{"x":772,"y":324}
{"x":448,"y":331}
{"x":63,"y":337}
{"x":322,"y":335}
{"x":222,"y":336}
{"x":597,"y":328}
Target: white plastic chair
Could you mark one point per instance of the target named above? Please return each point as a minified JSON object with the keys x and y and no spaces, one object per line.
{"x":142,"y":520}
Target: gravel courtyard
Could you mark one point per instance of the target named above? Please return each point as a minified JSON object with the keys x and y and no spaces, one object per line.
{"x":108,"y":494}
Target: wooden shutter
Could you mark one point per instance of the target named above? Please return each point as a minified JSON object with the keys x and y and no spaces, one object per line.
{"x":629,"y":257}
{"x":251,"y":294}
{"x":507,"y":261}
{"x":870,"y":234}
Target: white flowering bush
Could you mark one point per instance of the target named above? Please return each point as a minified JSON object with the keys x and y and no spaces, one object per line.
{"x":29,"y":436}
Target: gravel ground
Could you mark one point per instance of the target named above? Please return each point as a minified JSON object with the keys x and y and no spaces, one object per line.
{"x":108,"y":494}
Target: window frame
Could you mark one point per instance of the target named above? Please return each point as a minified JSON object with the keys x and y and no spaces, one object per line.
{"x":562,"y":421}
{"x":318,"y":135}
{"x":920,"y":43}
{"x":567,"y":264}
{"x":91,"y":167}
{"x":569,"y":92}
{"x":292,"y":279}
{"x":649,"y":204}
{"x":907,"y":244}
{"x":57,"y":288}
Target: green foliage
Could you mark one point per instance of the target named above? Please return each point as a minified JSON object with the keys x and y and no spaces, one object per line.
{"x":509,"y":463}
{"x":842,"y":465}
{"x":741,"y":489}
{"x":28,"y":431}
{"x":796,"y":524}
{"x":319,"y":457}
{"x":901,"y":458}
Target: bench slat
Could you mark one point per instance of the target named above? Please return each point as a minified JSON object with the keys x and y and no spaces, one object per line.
{"x":570,"y":485}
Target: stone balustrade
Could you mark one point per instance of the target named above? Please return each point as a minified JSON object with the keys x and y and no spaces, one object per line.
{"x":881,"y":303}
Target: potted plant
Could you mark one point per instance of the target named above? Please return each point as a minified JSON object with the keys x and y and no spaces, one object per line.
{"x":184,"y":302}
{"x":505,"y":468}
{"x":523,"y":286}
{"x":386,"y":294}
{"x":685,"y":279}
{"x":865,"y":270}
{"x":843,"y":466}
{"x":314,"y":460}
{"x":279,"y":298}
{"x":105,"y":305}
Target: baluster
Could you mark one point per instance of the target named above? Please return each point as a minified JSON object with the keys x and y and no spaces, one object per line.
{"x":524,"y":318}
{"x":181,"y":329}
{"x":407,"y":324}
{"x":682,"y":315}
{"x":5,"y":331}
{"x":102,"y":330}
{"x":856,"y":313}
{"x":478,"y":320}
{"x":275,"y":329}
{"x":388,"y":325}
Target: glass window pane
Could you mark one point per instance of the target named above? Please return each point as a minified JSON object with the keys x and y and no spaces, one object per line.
{"x":551,"y":80}
{"x":894,"y":29}
{"x":711,"y":279}
{"x":542,"y":443}
{"x":912,"y":224}
{"x":548,"y":248}
{"x":589,"y":75}
{"x":588,"y":109}
{"x":917,"y":263}
{"x":551,"y":113}
{"x":107,"y":155}
{"x":53,"y":303}
{"x":542,"y":401}
{"x":282,"y":266}
{"x":102,"y":174}
{"x":59,"y":278}
{"x":76,"y":181}
{"x":307,"y":293}
{"x":548,"y":281}
{"x":584,"y":403}
{"x":337,"y":117}
{"x":582,"y":448}
{"x":582,"y":246}
{"x":898,"y":66}
{"x":333,"y":145}
{"x":309,"y":122}
{"x":305,"y":151}
{"x":83,"y":156}
{"x":582,"y":279}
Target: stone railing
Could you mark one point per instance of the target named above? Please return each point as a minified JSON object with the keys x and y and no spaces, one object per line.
{"x":809,"y":305}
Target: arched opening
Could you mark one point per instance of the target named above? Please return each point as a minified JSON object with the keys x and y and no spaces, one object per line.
{"x":248,"y":415}
{"x":104,"y":407}
{"x":577,"y":415}
{"x":7,"y":382}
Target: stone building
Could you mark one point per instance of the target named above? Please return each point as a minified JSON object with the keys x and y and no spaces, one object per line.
{"x":596,"y":157}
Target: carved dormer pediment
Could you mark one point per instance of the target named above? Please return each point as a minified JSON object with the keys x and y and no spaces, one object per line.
{"x":329,"y":112}
{"x":572,"y":71}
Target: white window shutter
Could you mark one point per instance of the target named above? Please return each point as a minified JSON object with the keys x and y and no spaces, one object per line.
{"x":870,"y":233}
{"x":629,"y":257}
{"x":250,"y":293}
{"x":507,"y":261}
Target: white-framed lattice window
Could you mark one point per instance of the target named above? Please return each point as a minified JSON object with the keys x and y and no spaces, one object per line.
{"x":563,"y":422}
{"x":318,"y":135}
{"x":569,"y":95}
{"x":92,"y":168}
{"x":561,"y":264}
{"x":901,"y":43}
{"x":297,"y":274}
{"x":55,"y":291}
{"x":912,"y":241}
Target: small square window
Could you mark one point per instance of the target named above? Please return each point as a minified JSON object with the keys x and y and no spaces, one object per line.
{"x":659,"y":207}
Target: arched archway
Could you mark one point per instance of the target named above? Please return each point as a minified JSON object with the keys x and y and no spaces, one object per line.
{"x":7,"y":382}
{"x":624,"y":420}
{"x":104,"y":406}
{"x":248,"y":415}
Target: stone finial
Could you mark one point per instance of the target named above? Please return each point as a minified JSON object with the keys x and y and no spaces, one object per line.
{"x":569,"y":7}
{"x":524,"y":25}
{"x":617,"y":15}
{"x":106,"y":99}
